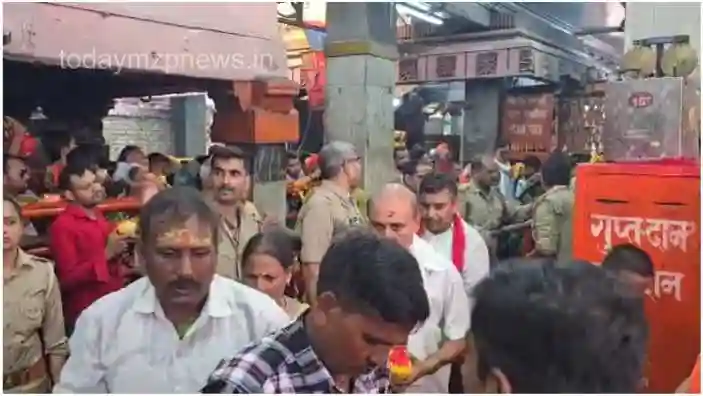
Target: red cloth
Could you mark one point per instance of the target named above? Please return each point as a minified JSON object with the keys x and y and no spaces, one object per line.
{"x":28,"y":146}
{"x":78,"y":246}
{"x":695,"y":385}
{"x":458,"y":242}
{"x":56,"y":169}
{"x":311,"y":162}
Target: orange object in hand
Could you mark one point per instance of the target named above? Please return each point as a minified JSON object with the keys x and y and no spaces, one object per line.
{"x":127,"y":227}
{"x":400,"y":364}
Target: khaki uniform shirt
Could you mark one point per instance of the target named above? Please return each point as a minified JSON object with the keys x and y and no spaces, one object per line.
{"x":33,"y":319}
{"x":552,"y":223}
{"x":329,"y":211}
{"x":491,"y":211}
{"x":233,"y":239}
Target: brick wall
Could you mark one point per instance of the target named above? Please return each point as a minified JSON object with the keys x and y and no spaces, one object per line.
{"x":147,"y":125}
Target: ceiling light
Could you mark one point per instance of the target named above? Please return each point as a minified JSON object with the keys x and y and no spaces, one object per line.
{"x":419,"y":15}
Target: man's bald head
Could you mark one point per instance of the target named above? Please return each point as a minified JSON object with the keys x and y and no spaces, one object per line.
{"x":393,"y":212}
{"x":396,"y":193}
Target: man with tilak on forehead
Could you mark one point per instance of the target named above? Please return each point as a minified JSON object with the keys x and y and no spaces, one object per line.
{"x":166,"y":332}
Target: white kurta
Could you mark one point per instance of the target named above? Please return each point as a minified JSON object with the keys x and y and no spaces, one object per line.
{"x":449,"y":314}
{"x":476,"y":257}
{"x":123,"y":343}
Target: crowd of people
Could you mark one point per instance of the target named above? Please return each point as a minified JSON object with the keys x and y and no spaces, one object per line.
{"x":228,"y":301}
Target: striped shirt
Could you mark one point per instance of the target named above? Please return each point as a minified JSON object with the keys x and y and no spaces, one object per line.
{"x":284,"y":362}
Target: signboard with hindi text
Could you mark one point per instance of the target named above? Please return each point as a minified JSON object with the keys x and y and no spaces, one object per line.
{"x":656,"y":206}
{"x":526,"y":122}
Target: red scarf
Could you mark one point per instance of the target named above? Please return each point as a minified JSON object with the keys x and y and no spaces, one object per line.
{"x":458,"y":242}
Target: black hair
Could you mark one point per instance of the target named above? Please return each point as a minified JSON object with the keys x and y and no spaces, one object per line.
{"x":397,"y":150}
{"x":292,"y":155}
{"x":374,"y":275}
{"x":175,"y":205}
{"x":126,"y":151}
{"x":437,"y":182}
{"x":559,"y":328}
{"x":72,"y":169}
{"x":556,"y":170}
{"x":278,"y":243}
{"x":158,"y":158}
{"x":15,"y":204}
{"x":628,"y":257}
{"x":227,"y":153}
{"x":86,"y":155}
{"x":533,"y":162}
{"x":133,"y":172}
{"x":55,"y":141}
{"x":417,"y":152}
{"x":409,"y":168}
{"x":579,"y":158}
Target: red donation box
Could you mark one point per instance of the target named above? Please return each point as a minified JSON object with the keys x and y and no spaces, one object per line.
{"x":656,"y":206}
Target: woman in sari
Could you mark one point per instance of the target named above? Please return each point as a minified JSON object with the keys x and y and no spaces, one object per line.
{"x":269,"y":261}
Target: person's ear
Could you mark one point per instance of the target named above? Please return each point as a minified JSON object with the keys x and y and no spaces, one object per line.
{"x":327,"y":306}
{"x":69,"y":195}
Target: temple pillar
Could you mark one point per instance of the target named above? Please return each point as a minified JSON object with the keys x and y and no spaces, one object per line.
{"x":361,"y":51}
{"x":188,"y":125}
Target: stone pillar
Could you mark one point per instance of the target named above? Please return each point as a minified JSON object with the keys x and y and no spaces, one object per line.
{"x":188,"y":125}
{"x":361,"y":51}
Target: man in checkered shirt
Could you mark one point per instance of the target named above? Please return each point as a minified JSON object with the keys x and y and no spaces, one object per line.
{"x":370,"y":297}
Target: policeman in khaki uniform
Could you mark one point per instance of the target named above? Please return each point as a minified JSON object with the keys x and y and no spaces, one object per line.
{"x":486,"y":208}
{"x":233,"y":239}
{"x":330,"y":209}
{"x":34,"y":338}
{"x":553,"y":210}
{"x":228,"y":181}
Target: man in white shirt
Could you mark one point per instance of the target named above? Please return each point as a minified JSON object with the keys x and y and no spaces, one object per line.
{"x":441,"y":338}
{"x":448,"y":233}
{"x":458,"y":242}
{"x":166,"y":332}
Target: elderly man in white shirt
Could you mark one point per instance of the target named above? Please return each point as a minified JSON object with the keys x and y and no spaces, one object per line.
{"x":442,"y":337}
{"x":166,"y":332}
